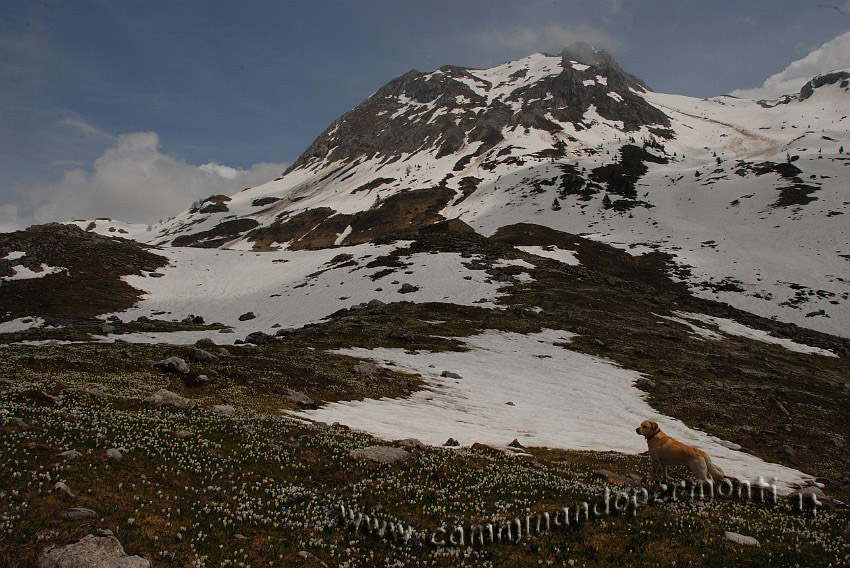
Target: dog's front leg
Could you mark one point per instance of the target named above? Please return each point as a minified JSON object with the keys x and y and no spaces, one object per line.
{"x":664,"y":472}
{"x":656,"y":470}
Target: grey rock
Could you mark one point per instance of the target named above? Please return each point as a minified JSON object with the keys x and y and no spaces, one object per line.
{"x":78,"y":514}
{"x":788,"y":452}
{"x":451,"y":442}
{"x":200,"y":356}
{"x":164,"y":397}
{"x":450,"y":375}
{"x":15,"y":422}
{"x":614,"y":478}
{"x":114,"y":454}
{"x":299,"y":398}
{"x":181,"y":434}
{"x":409,"y":444}
{"x":223,"y":409}
{"x":173,"y":365}
{"x":380,"y":454}
{"x":407,"y":289}
{"x":259,"y":338}
{"x":644,"y":383}
{"x":741,"y":539}
{"x":366,"y":368}
{"x":106,"y":328}
{"x":62,"y":489}
{"x":781,"y":407}
{"x":247,"y":316}
{"x":69,"y":455}
{"x":90,"y":552}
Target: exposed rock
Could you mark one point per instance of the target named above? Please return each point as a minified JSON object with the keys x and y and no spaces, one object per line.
{"x":69,"y":455}
{"x":450,"y":375}
{"x":366,"y":368}
{"x":164,"y":397}
{"x":14,"y":422}
{"x":451,"y":442}
{"x":407,"y":288}
{"x":409,"y":444}
{"x":516,"y":444}
{"x":201,"y":356}
{"x":614,"y":478}
{"x":299,"y":398}
{"x":78,"y":514}
{"x":62,"y":489}
{"x":114,"y":454}
{"x":247,"y":316}
{"x":781,"y":407}
{"x":106,"y":328}
{"x":741,"y":539}
{"x":181,"y":434}
{"x":644,"y":383}
{"x":259,"y":338}
{"x":224,"y":409}
{"x":401,"y":335}
{"x":310,"y":559}
{"x":90,"y":552}
{"x":172,"y":365}
{"x":380,"y":454}
{"x":788,"y":452}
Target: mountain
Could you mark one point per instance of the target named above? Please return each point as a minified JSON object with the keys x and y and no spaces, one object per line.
{"x":522,"y":263}
{"x":748,"y":197}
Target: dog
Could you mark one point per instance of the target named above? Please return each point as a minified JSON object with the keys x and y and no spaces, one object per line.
{"x":664,"y":451}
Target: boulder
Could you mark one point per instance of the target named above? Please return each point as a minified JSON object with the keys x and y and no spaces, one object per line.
{"x":259,"y":338}
{"x":788,"y":452}
{"x":614,"y":478}
{"x":450,"y":375}
{"x":407,"y":288}
{"x":299,"y":398}
{"x":380,"y":454}
{"x":223,"y":409}
{"x":63,"y":489}
{"x":644,"y":383}
{"x":247,"y":316}
{"x":741,"y":539}
{"x":69,"y":455}
{"x":90,"y":552}
{"x":451,"y":442}
{"x":114,"y":454}
{"x":200,"y":356}
{"x":409,"y":444}
{"x":366,"y":368}
{"x":173,"y":365}
{"x":164,"y":397}
{"x":78,"y":514}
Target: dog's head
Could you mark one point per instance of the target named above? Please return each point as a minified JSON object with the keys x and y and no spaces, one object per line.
{"x":648,"y":428}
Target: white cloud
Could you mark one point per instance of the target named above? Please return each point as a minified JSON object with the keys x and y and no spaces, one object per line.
{"x":84,"y":127}
{"x":132,"y":181}
{"x":502,"y":44}
{"x":834,"y":54}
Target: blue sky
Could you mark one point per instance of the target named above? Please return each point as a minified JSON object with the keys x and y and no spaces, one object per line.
{"x":192,"y":87}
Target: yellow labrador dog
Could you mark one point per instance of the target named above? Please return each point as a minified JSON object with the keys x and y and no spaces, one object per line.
{"x":664,"y":451}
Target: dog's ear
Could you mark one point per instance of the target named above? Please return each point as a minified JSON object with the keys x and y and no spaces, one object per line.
{"x":654,"y":426}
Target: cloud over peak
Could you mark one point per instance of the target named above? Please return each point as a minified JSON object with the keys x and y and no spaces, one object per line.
{"x":833,"y":55}
{"x":135,"y":182}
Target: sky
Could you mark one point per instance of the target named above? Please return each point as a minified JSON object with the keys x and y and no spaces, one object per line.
{"x":133,"y":109}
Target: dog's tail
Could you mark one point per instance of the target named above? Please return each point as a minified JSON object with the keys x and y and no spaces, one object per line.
{"x":715,"y":472}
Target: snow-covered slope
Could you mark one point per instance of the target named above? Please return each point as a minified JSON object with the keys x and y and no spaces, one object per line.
{"x":750,"y":197}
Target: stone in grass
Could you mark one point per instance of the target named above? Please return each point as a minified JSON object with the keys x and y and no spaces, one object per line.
{"x":78,"y":514}
{"x":90,"y":552}
{"x":409,"y":444}
{"x":516,"y":444}
{"x":741,"y":539}
{"x":299,"y":398}
{"x":164,"y":397}
{"x":366,"y":368}
{"x":114,"y":454}
{"x":69,"y":455}
{"x":644,"y":383}
{"x":451,"y":442}
{"x":380,"y":454}
{"x":310,"y":559}
{"x":63,"y":489}
{"x":223,"y":409}
{"x":200,"y":356}
{"x":173,"y":365}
